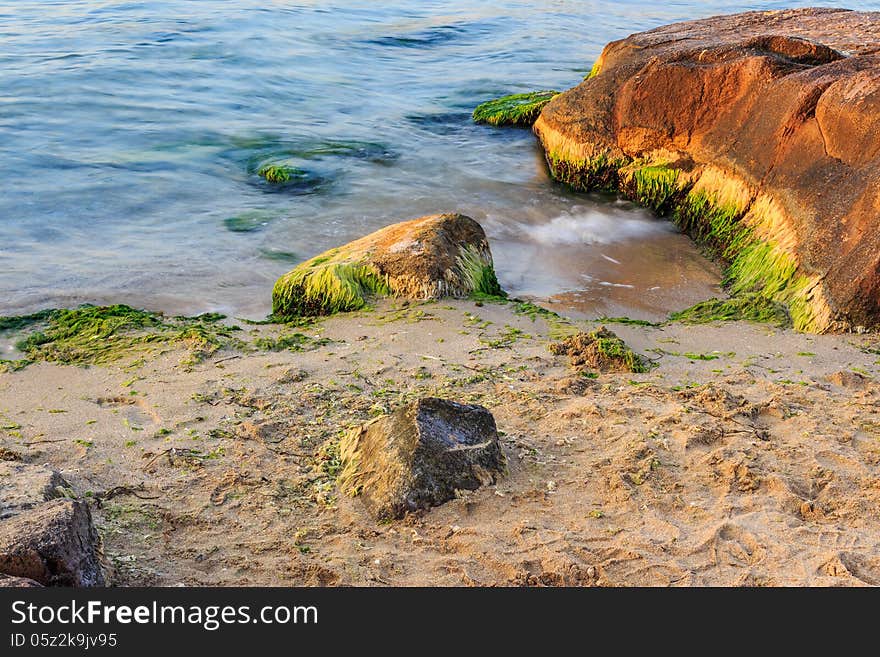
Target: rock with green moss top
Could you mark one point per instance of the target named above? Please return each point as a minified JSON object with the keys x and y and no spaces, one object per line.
{"x":517,"y":109}
{"x":280,"y":174}
{"x":426,"y":258}
{"x":600,"y":350}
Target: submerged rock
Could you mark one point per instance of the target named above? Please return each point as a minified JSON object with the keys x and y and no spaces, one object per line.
{"x":419,"y":456}
{"x":757,"y":133}
{"x":249,"y":221}
{"x":54,"y":544}
{"x":426,"y":258}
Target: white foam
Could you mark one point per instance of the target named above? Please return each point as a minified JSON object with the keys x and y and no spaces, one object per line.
{"x":595,"y":228}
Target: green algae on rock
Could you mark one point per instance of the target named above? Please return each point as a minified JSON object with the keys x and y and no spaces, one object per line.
{"x":425,"y":258}
{"x":278,"y":174}
{"x":517,"y":109}
{"x":600,"y":350}
{"x":101,"y":334}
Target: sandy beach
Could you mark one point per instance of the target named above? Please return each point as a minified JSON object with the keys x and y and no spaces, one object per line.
{"x":747,"y":456}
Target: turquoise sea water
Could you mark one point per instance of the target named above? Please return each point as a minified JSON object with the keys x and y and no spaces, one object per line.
{"x":130,"y":133}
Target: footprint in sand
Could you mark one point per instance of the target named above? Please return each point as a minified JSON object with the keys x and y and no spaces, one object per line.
{"x":731,"y":545}
{"x":136,"y":412}
{"x":851,"y":564}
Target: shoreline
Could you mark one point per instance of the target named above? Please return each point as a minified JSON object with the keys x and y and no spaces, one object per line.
{"x":744,"y":456}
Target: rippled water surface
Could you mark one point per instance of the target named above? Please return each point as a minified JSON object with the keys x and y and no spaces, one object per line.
{"x":130,"y":133}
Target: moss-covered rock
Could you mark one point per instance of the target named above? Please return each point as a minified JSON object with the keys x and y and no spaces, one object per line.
{"x":426,"y":258}
{"x":517,"y":109}
{"x":600,"y":350}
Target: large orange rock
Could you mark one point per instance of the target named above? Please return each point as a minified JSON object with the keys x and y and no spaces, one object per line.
{"x":760,"y":134}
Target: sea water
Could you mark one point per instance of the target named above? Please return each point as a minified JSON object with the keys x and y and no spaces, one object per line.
{"x":130,"y":134}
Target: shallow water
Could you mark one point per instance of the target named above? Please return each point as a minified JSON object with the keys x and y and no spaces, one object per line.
{"x":130,"y":133}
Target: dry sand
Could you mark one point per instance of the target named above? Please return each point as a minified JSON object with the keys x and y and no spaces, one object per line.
{"x":758,"y":466}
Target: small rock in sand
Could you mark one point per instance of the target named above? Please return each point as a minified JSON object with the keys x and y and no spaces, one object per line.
{"x":420,"y":456}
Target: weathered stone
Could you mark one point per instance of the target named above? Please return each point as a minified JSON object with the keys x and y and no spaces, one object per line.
{"x":420,"y":455}
{"x":7,"y":581}
{"x":757,"y":133}
{"x":54,"y":544}
{"x":426,"y":258}
{"x":848,"y":379}
{"x":24,"y":486}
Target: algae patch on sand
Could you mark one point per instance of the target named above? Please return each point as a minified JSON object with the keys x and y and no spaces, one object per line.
{"x":101,"y":334}
{"x":746,"y":307}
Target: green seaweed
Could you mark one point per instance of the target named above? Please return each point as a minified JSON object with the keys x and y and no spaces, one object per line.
{"x":716,"y":227}
{"x":278,"y":174}
{"x":594,"y":71}
{"x":100,"y":334}
{"x":515,"y":110}
{"x":600,"y":350}
{"x":478,"y":275}
{"x":316,"y":288}
{"x":288,"y":342}
{"x":749,"y":307}
{"x":656,"y":187}
{"x":269,"y":146}
{"x":364,"y":150}
{"x":601,"y":172}
{"x":13,"y":365}
{"x":533,"y":311}
{"x":280,"y":255}
{"x":19,"y":322}
{"x":613,"y":348}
